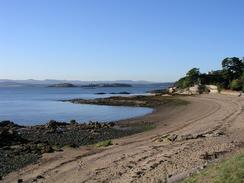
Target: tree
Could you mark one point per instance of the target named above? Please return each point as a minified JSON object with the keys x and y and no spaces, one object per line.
{"x":183,"y":83}
{"x":193,"y":76}
{"x":233,"y":67}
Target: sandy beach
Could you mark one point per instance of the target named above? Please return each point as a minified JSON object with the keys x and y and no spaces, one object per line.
{"x":186,"y":139}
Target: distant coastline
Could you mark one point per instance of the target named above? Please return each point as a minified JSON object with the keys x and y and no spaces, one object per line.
{"x":69,"y":85}
{"x":63,"y":85}
{"x":107,"y":85}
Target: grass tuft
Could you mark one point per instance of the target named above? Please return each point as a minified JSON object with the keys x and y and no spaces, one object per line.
{"x":149,"y":127}
{"x":105,"y":143}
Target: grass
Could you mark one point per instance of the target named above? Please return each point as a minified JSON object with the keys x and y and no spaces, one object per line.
{"x":105,"y":143}
{"x":148,"y":127}
{"x":228,"y":171}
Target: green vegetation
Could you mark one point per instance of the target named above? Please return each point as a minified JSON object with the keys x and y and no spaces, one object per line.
{"x":236,"y":85}
{"x":105,"y":143}
{"x":228,"y":171}
{"x":149,"y":127}
{"x":192,"y":78}
{"x":230,"y":77}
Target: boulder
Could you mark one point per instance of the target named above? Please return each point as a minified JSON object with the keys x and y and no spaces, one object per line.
{"x":73,"y":122}
{"x":10,"y":137}
{"x":55,"y":126}
{"x":194,"y":90}
{"x":172,"y":89}
{"x":9,"y":124}
{"x":212,"y":88}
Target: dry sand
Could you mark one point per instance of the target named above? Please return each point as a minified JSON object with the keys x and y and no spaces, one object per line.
{"x":213,"y":125}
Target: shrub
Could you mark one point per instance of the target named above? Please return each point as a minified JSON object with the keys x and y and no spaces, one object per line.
{"x":236,"y":85}
{"x":203,"y":89}
{"x":220,"y":87}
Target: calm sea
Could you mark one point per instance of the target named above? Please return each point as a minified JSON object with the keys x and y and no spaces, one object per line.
{"x":38,"y":105}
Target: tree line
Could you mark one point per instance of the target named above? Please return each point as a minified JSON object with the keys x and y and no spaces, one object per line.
{"x":231,"y":76}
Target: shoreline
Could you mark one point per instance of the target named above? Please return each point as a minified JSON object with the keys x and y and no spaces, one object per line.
{"x":187,"y":138}
{"x":37,"y":140}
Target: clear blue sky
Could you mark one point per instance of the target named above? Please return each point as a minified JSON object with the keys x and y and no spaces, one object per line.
{"x":156,"y":40}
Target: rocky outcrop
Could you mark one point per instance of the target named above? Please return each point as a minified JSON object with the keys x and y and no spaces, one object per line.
{"x":230,"y":92}
{"x":9,"y":124}
{"x":187,"y":91}
{"x":9,"y":134}
{"x":136,"y":101}
{"x":212,"y":88}
{"x":10,"y":137}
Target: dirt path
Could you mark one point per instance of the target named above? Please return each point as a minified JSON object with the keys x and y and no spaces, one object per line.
{"x":208,"y":128}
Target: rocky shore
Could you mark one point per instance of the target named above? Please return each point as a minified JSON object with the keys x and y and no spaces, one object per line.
{"x":136,"y":101}
{"x":23,"y":145}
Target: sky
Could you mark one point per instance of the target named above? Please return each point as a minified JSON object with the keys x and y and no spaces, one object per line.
{"x":153,"y":40}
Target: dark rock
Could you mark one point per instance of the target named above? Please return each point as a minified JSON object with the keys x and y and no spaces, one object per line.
{"x":73,"y":122}
{"x":10,"y":137}
{"x":166,"y":138}
{"x":94,"y":125}
{"x":218,"y":133}
{"x":187,"y":137}
{"x":100,"y":93}
{"x":211,"y":156}
{"x":172,"y":137}
{"x":8,"y":124}
{"x":40,"y":177}
{"x":121,"y":93}
{"x":73,"y":145}
{"x":111,"y":124}
{"x":34,"y":180}
{"x":191,"y":136}
{"x":55,"y":126}
{"x":207,"y":156}
{"x":47,"y":149}
{"x":20,"y":181}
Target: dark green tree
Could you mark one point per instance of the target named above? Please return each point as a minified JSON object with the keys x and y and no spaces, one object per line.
{"x":193,"y":76}
{"x":233,"y":68}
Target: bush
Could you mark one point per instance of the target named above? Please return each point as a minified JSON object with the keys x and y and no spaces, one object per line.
{"x":220,"y":87}
{"x":236,"y":85}
{"x":203,"y":89}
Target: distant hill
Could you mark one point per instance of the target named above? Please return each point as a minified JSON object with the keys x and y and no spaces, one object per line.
{"x":47,"y":82}
{"x":63,"y":85}
{"x":16,"y":84}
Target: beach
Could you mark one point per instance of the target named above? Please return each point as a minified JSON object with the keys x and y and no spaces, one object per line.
{"x":186,"y":139}
{"x":22,"y":145}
